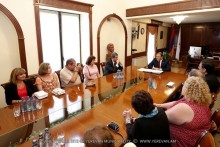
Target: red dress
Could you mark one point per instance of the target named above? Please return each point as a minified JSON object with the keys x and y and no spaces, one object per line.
{"x":186,"y":135}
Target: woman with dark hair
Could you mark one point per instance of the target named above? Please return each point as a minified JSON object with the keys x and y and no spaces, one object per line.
{"x":90,"y":70}
{"x":99,"y":136}
{"x":151,"y":128}
{"x":46,"y":80}
{"x":18,"y":87}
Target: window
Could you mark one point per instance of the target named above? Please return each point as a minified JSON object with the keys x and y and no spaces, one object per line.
{"x":150,"y":48}
{"x":63,"y":31}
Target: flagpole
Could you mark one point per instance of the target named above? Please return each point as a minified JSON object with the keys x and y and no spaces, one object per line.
{"x":178,"y":46}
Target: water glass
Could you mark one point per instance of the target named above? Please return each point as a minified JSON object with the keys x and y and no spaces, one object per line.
{"x":16,"y":110}
{"x":38,"y":104}
{"x":60,"y":137}
{"x":114,"y":75}
{"x":154,"y":84}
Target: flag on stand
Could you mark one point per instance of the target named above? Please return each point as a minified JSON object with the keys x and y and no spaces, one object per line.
{"x":171,"y":43}
{"x":178,"y":45}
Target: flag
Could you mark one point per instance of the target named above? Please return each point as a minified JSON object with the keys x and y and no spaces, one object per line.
{"x":171,"y":43}
{"x":178,"y":45}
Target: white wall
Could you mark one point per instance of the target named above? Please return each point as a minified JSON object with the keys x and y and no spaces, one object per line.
{"x":9,"y":52}
{"x":24,"y":13}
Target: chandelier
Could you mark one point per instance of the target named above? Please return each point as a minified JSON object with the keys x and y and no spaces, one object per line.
{"x":179,"y":18}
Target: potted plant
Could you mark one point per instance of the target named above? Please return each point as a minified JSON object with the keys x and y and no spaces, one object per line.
{"x":166,"y":56}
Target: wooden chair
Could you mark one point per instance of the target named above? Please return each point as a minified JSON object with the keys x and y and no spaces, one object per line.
{"x":30,"y":77}
{"x":216,"y":118}
{"x":4,"y":84}
{"x":190,"y":63}
{"x":205,"y":140}
{"x":58,"y":74}
{"x":103,"y":67}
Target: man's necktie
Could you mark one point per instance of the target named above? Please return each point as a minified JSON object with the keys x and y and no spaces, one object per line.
{"x":115,"y":63}
{"x":158,"y":64}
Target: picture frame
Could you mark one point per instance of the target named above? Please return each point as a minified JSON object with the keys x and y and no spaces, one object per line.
{"x":161,"y":34}
{"x":142,"y":31}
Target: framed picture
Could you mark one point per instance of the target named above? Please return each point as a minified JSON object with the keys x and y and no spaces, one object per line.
{"x":142,"y":31}
{"x":161,"y":34}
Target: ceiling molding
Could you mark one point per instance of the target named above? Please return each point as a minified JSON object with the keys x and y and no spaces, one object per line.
{"x":173,"y":7}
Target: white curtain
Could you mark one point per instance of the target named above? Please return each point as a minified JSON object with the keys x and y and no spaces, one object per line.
{"x":150,"y":48}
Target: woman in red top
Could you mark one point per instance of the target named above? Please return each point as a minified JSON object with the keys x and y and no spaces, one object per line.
{"x":190,"y":115}
{"x":18,"y":86}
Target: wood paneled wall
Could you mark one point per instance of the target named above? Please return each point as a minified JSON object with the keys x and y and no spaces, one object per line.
{"x":201,"y":34}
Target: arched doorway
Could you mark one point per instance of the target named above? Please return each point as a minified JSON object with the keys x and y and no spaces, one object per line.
{"x":99,"y":32}
{"x":20,"y":35}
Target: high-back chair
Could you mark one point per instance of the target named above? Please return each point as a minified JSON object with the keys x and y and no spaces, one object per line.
{"x":216,"y":118}
{"x":103,"y":67}
{"x":205,"y":140}
{"x":58,"y":74}
{"x":4,"y":84}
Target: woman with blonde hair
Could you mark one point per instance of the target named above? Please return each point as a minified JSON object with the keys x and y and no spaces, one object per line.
{"x":190,"y":115}
{"x":46,"y":80}
{"x":19,"y":87}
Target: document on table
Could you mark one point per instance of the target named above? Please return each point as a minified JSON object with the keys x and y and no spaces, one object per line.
{"x":150,"y":70}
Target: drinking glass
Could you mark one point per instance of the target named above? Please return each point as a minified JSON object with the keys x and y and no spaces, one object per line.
{"x":114,"y":75}
{"x":154,"y":84}
{"x":38,"y":104}
{"x":16,"y":110}
{"x":60,"y":137}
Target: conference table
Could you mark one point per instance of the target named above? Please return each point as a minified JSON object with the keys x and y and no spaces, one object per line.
{"x":83,"y":107}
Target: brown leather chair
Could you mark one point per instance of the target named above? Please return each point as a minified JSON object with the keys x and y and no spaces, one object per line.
{"x":31,"y":77}
{"x":205,"y":140}
{"x":103,"y":67}
{"x":58,"y":74}
{"x":4,"y":84}
{"x":215,"y":118}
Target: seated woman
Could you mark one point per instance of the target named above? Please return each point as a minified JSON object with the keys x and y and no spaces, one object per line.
{"x":151,"y":127}
{"x":46,"y":81}
{"x":19,"y":87}
{"x":190,"y":115}
{"x":90,"y":70}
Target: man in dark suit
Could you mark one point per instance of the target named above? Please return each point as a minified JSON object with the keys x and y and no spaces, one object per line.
{"x":159,"y":63}
{"x":113,"y":65}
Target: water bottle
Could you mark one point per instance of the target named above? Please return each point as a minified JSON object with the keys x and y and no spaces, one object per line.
{"x":47,"y":140}
{"x":33,"y":104}
{"x":118,"y":74}
{"x":121,"y":75}
{"x":23,"y":105}
{"x":150,"y":82}
{"x":41,"y":140}
{"x":28,"y":103}
{"x":34,"y":143}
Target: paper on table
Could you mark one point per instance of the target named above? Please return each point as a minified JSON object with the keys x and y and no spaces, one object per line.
{"x":170,"y":84}
{"x":40,"y":94}
{"x":150,"y":70}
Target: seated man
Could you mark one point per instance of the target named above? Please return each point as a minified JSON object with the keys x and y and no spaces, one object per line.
{"x":113,"y":65}
{"x":159,"y":63}
{"x":207,"y":69}
{"x":69,"y":75}
{"x":110,"y":48}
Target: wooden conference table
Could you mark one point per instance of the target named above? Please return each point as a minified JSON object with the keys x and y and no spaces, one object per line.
{"x":84,"y":107}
